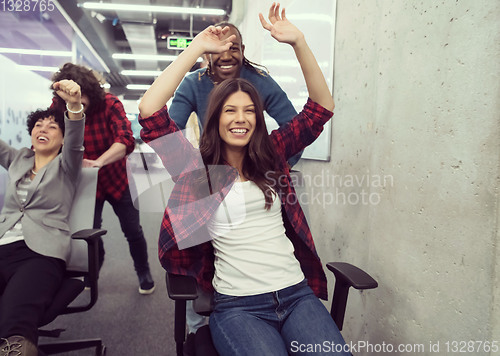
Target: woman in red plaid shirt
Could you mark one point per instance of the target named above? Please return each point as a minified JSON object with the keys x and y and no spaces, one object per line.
{"x":108,"y":140}
{"x":233,"y":221}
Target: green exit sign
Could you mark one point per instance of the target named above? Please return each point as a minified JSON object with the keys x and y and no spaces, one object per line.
{"x":178,"y":42}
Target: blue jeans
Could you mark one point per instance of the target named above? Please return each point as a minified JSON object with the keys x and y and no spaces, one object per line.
{"x":131,"y":227}
{"x":290,"y":321}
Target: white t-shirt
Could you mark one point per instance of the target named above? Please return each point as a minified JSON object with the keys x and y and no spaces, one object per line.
{"x":252,"y":253}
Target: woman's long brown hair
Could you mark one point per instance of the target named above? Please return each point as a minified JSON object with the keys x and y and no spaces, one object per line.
{"x":260,"y":164}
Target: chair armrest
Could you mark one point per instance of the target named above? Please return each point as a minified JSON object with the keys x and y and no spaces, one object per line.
{"x":352,"y":275}
{"x":88,"y":234}
{"x":91,"y":237}
{"x":186,"y":288}
{"x":346,"y":276}
{"x":181,"y":287}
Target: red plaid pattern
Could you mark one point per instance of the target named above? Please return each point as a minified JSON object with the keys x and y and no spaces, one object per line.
{"x":103,"y":128}
{"x":198,"y":260}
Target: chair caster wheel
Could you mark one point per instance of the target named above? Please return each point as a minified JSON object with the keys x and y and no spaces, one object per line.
{"x":101,"y":351}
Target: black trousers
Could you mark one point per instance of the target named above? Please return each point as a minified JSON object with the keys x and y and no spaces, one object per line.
{"x":28,"y":283}
{"x":129,"y":219}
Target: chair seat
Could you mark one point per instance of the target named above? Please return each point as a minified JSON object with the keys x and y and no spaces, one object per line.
{"x":203,"y":342}
{"x":70,"y":289}
{"x":182,"y":288}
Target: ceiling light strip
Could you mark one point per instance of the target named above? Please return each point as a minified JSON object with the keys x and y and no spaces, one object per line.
{"x":138,"y":86}
{"x":36,"y":52}
{"x":39,"y":68}
{"x":141,"y":73}
{"x":147,"y":57}
{"x":153,"y":8}
{"x":144,"y":57}
{"x":81,"y":35}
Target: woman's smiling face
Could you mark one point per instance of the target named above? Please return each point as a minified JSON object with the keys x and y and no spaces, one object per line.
{"x":237,"y":121}
{"x":47,"y":136}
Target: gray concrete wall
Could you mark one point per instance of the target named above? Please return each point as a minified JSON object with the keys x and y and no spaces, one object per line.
{"x":411,"y":191}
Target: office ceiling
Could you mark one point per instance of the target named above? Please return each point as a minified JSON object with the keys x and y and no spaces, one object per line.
{"x":110,"y":32}
{"x":140,"y":34}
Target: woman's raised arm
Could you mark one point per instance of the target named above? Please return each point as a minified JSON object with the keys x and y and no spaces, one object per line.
{"x":285,"y":32}
{"x":163,"y":88}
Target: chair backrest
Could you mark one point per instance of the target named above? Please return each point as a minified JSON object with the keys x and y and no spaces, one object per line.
{"x":82,"y":217}
{"x":82,"y":210}
{"x":150,"y":183}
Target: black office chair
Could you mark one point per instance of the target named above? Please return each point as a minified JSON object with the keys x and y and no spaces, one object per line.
{"x":82,"y":270}
{"x":183,"y":288}
{"x":72,"y":286}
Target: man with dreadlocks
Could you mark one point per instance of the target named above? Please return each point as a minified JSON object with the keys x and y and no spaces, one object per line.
{"x":192,"y":93}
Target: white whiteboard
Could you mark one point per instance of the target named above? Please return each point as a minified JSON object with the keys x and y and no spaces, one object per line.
{"x":316,"y":19}
{"x":21,"y":91}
